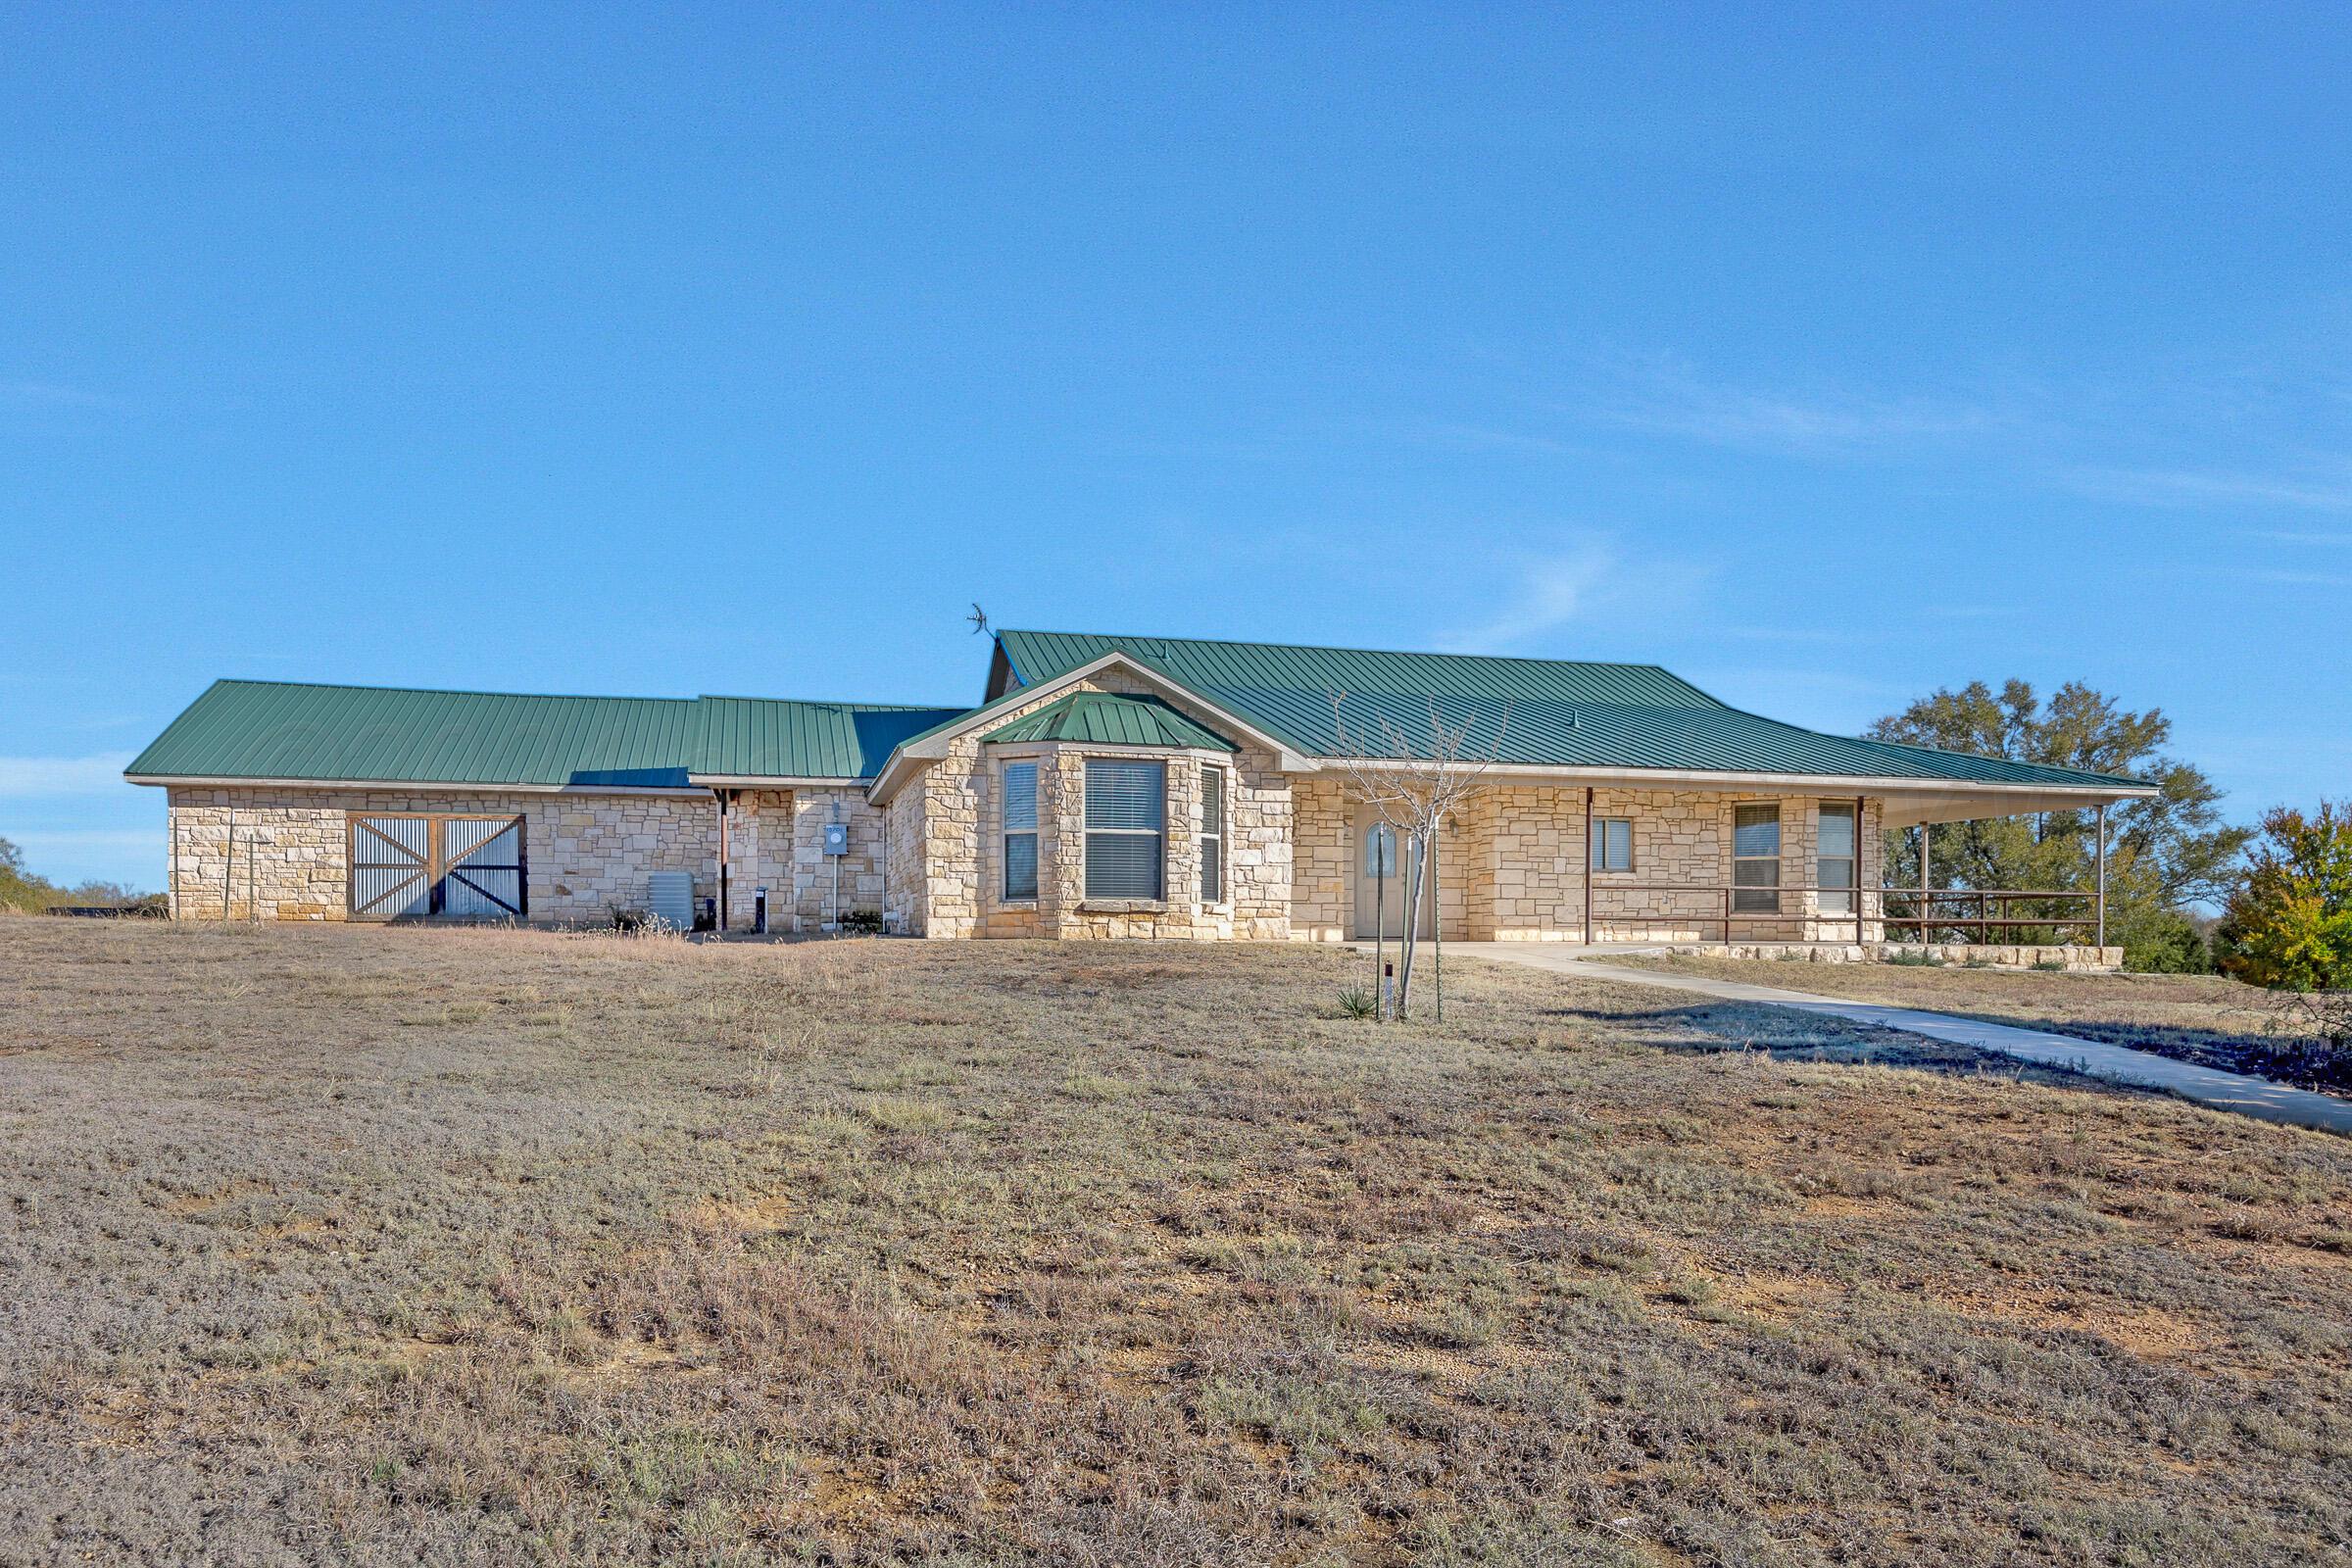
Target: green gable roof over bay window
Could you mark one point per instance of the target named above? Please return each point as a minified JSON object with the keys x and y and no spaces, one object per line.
{"x":1104,"y":718}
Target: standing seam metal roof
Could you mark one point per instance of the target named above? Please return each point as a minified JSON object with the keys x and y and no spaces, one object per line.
{"x":1106,"y":718}
{"x":275,"y":729}
{"x":1339,"y":702}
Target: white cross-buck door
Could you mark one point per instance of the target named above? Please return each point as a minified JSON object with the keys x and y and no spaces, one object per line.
{"x":425,"y":865}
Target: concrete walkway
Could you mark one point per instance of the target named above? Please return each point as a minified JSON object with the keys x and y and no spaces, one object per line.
{"x":2208,"y":1086}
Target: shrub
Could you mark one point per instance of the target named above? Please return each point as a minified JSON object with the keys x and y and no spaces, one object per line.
{"x":2289,"y":925}
{"x":2164,"y":942}
{"x":1356,"y":1002}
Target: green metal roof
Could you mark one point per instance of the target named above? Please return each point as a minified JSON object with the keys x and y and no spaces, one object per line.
{"x":1102,"y":718}
{"x":283,"y":730}
{"x":1343,"y":702}
{"x":770,"y":738}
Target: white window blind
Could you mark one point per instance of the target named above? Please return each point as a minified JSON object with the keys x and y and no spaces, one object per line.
{"x":1212,"y":835}
{"x":1838,"y":842}
{"x":1126,"y":815}
{"x":1020,"y":830}
{"x":1756,"y":860}
{"x":1613,"y":844}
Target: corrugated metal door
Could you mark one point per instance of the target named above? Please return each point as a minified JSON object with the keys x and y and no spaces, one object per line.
{"x":481,"y":876}
{"x":391,"y":867}
{"x":425,"y":865}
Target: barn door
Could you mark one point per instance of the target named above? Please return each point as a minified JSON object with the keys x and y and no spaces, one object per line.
{"x":481,"y":875}
{"x":414,"y":867}
{"x":391,"y":867}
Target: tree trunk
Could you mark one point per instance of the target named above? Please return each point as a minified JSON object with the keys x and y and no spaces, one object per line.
{"x":1416,"y":884}
{"x":1404,"y":940}
{"x":1438,"y":929}
{"x":1380,"y":928}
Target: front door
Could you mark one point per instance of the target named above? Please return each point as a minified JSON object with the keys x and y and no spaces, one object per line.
{"x":1380,"y":859}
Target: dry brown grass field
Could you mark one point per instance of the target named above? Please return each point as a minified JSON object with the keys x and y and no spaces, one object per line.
{"x":342,"y":1245}
{"x":2207,"y":1019}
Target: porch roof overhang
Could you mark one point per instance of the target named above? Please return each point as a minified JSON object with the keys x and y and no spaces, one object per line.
{"x":1905,"y":802}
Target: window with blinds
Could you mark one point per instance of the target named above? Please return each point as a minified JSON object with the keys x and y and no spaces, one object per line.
{"x":1613,"y":844}
{"x":1756,"y":860}
{"x":1020,"y":830}
{"x":1212,"y":835}
{"x":1839,"y":858}
{"x":1126,"y":816}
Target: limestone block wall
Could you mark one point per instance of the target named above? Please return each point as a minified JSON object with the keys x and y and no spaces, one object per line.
{"x":759,"y":855}
{"x":282,"y":854}
{"x":1529,"y":853}
{"x":1323,"y":893}
{"x":906,"y":844}
{"x":815,"y":893}
{"x":946,"y":831}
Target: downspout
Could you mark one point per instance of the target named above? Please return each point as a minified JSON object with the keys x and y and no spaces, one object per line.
{"x":171,"y":820}
{"x":1589,"y":865}
{"x":722,"y":796}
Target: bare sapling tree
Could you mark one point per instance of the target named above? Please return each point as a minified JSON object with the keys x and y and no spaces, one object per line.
{"x":1414,"y":784}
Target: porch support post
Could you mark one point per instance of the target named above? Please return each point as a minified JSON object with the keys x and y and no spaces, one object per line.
{"x":1588,"y":865}
{"x":2101,"y":903}
{"x":1923,"y":884}
{"x":1861,"y":815}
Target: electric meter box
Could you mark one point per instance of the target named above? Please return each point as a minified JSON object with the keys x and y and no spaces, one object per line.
{"x":836,"y":838}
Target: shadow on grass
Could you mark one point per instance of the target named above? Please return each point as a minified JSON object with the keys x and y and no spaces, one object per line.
{"x":2304,"y":1064}
{"x":1732,"y":1027}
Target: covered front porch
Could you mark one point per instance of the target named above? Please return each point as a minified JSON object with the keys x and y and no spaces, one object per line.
{"x":1791,"y":874}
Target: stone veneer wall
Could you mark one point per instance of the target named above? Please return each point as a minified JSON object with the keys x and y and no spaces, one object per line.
{"x":1514,"y":870}
{"x":814,"y":898}
{"x":945,"y":831}
{"x":586,"y":853}
{"x":1323,"y":893}
{"x":1529,"y":849}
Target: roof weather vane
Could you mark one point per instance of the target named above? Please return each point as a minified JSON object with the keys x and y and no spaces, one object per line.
{"x":978,"y":617}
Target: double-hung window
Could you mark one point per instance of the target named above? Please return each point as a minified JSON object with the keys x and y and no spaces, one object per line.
{"x":1839,"y":858}
{"x":1020,"y":830}
{"x":1212,"y":835}
{"x":1756,"y":860}
{"x":1126,"y":817}
{"x":1613,"y":844}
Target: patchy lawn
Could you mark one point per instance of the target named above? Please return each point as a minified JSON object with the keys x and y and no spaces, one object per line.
{"x":337,"y":1246}
{"x":2200,"y":1019}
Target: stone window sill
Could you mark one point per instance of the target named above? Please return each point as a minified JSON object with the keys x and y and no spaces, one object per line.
{"x":1124,"y":907}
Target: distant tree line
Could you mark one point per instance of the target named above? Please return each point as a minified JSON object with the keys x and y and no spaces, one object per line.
{"x":24,"y":893}
{"x":2284,"y":890}
{"x":2169,"y":857}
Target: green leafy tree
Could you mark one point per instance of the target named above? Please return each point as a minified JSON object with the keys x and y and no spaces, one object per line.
{"x":2289,"y":926}
{"x":2165,"y":855}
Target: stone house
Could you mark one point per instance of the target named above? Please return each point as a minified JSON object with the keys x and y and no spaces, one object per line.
{"x":1103,"y":787}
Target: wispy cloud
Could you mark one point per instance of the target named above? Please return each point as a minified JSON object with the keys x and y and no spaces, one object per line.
{"x":2287,"y":536}
{"x":36,"y":395}
{"x":22,"y":777}
{"x":44,"y":840}
{"x":1669,"y":399}
{"x":1587,"y":582}
{"x":2214,"y":487}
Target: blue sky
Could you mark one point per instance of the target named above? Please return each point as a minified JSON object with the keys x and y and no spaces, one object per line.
{"x":1825,"y":358}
